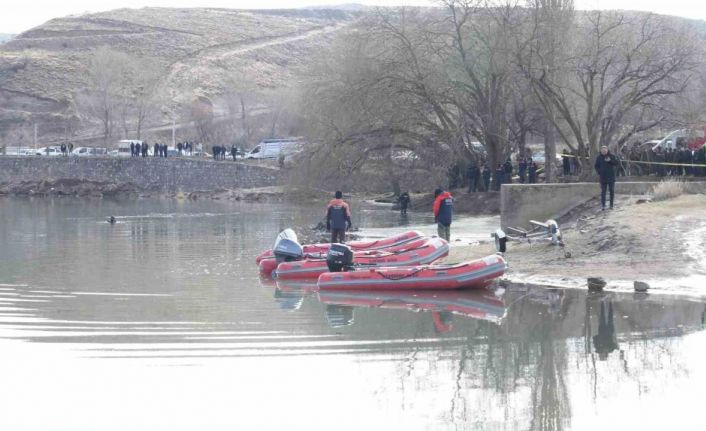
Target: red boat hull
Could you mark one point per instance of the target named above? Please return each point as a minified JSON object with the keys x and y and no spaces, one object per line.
{"x":430,"y":251}
{"x":474,"y":274}
{"x":378,"y":244}
{"x":269,"y":264}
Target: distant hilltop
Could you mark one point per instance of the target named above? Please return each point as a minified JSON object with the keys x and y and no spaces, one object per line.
{"x":42,"y":69}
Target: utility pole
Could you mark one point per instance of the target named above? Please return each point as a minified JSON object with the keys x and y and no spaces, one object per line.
{"x":173,"y":132}
{"x":35,"y":137}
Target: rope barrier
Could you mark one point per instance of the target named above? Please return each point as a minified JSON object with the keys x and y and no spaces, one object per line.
{"x":692,"y":165}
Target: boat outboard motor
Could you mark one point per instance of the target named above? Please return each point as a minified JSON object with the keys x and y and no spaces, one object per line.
{"x":500,"y":241}
{"x":287,"y":250}
{"x":555,"y":232}
{"x":339,"y":258}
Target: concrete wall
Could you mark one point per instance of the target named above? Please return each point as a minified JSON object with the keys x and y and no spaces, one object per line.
{"x":520,"y":203}
{"x":155,"y":174}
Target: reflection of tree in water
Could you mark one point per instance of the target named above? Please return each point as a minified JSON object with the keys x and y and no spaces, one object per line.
{"x":550,"y":399}
{"x":504,"y":360}
{"x":517,"y":375}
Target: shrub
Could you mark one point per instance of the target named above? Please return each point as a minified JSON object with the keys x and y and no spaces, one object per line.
{"x":667,"y":189}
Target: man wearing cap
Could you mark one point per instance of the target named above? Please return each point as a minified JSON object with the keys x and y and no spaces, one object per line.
{"x":605,"y":168}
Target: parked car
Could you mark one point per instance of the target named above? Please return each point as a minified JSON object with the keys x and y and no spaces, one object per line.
{"x":48,"y":151}
{"x":89,"y":151}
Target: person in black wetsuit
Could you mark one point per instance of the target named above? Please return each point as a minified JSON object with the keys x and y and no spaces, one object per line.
{"x":404,"y":201}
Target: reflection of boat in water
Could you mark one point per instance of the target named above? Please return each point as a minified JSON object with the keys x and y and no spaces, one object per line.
{"x":477,"y":304}
{"x":290,"y":294}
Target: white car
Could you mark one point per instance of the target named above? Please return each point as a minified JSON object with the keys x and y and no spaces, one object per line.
{"x":48,"y":151}
{"x":89,"y":151}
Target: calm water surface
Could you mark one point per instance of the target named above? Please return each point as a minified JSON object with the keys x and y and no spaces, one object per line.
{"x":161,"y":322}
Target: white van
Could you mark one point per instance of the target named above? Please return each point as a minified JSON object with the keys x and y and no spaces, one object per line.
{"x":272,"y":148}
{"x":124,"y":147}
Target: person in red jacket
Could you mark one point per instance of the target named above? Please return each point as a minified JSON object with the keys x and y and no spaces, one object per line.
{"x":443,"y":213}
{"x":338,"y":218}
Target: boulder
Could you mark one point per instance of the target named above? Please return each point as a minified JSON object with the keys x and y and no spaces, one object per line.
{"x":596,"y":284}
{"x":641,"y":286}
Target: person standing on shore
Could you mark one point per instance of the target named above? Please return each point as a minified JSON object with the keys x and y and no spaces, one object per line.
{"x":605,"y":168}
{"x":532,"y":172}
{"x":566,"y":163}
{"x":522,"y":170}
{"x":486,"y":177}
{"x":443,"y":213}
{"x":404,"y":200}
{"x":473,"y":175}
{"x":338,"y":218}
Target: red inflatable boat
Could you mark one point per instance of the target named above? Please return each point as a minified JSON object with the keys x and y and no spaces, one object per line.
{"x":269,"y":264}
{"x":473,"y":274}
{"x":430,"y":250}
{"x":378,"y":244}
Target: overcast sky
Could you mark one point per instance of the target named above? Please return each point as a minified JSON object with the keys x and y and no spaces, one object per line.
{"x":17,"y":16}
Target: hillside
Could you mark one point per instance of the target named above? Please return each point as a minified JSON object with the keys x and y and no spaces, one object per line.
{"x":41,"y":69}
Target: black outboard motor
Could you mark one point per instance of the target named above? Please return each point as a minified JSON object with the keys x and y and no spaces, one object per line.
{"x":287,"y":250}
{"x":339,"y":258}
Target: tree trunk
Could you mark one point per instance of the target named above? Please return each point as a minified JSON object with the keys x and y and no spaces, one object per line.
{"x":549,"y":151}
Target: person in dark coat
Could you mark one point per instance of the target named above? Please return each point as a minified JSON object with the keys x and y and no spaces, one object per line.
{"x":566,"y":163}
{"x":473,"y":177}
{"x":532,"y":172}
{"x":522,"y":170}
{"x":338,"y":218}
{"x":499,"y":174}
{"x":404,"y":201}
{"x":132,"y":149}
{"x":156,"y":150}
{"x":486,"y":177}
{"x":164,"y":150}
{"x":233,"y":151}
{"x":443,"y":213}
{"x":145,"y":149}
{"x":507,"y":168}
{"x":605,"y":168}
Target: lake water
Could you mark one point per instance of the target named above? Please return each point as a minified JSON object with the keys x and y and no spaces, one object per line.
{"x":161,"y":322}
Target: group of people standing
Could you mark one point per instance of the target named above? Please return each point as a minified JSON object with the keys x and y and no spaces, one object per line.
{"x":66,"y":149}
{"x":141,"y":149}
{"x":220,"y":152}
{"x":483,"y":179}
{"x":338,"y":214}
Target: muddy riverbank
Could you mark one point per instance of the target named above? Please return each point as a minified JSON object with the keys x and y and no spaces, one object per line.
{"x":662,"y":243}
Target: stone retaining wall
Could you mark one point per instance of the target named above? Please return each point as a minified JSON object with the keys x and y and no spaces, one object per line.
{"x":150,"y":173}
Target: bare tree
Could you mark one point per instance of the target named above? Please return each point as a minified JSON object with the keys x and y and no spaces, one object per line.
{"x":101,"y":100}
{"x":615,"y":71}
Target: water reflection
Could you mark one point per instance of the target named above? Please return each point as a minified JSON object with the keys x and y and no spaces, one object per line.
{"x":172,"y":290}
